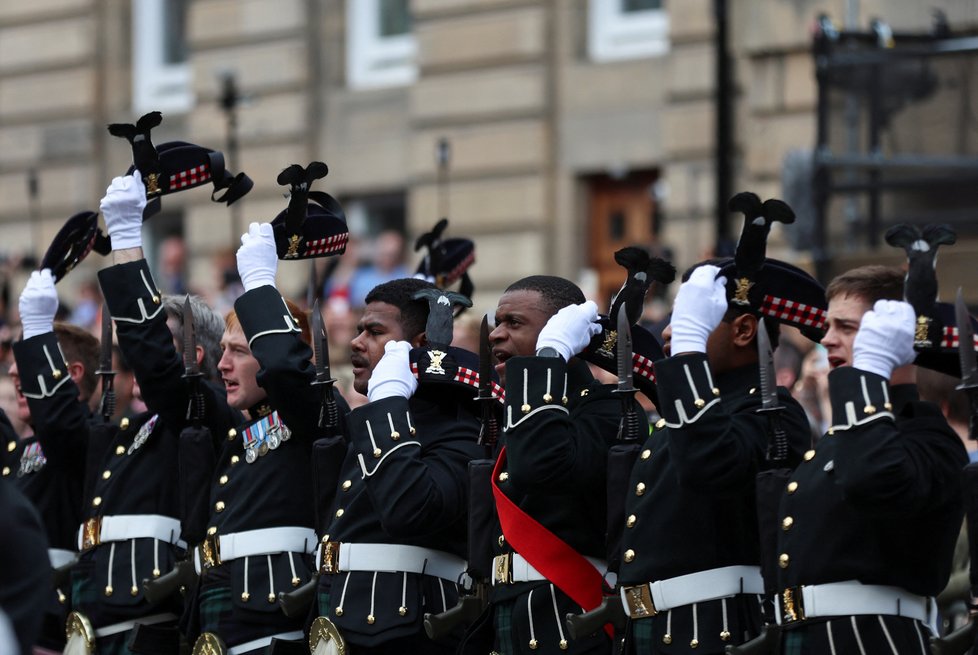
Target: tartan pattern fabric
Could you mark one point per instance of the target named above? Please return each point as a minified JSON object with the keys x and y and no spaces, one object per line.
{"x":215,"y":606}
{"x":456,"y":272}
{"x":190,"y":178}
{"x":503,"y":625}
{"x":467,"y":376}
{"x":322,"y":600}
{"x":642,"y":365}
{"x":471,"y":377}
{"x":793,"y":642}
{"x":84,"y":595}
{"x":335,"y":243}
{"x":793,"y":312}
{"x":641,"y":636}
{"x":950,"y":338}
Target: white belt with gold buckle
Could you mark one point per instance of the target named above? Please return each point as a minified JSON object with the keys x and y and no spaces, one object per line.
{"x":649,"y":599}
{"x":849,"y":598}
{"x":266,"y":541}
{"x":513,"y":567}
{"x":123,"y":527}
{"x":390,"y":558}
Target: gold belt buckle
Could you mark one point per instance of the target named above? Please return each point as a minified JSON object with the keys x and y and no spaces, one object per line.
{"x":210,"y":551}
{"x":502,"y":569}
{"x":92,"y":533}
{"x":639,"y":601}
{"x":792,"y":605}
{"x":330,"y":557}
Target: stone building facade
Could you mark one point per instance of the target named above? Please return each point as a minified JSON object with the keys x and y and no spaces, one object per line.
{"x":575,"y":126}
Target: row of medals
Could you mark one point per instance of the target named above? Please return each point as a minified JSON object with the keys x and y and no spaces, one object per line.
{"x":268,"y":433}
{"x":31,"y":460}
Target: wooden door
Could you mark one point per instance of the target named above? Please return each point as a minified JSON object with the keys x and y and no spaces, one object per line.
{"x":622,"y":213}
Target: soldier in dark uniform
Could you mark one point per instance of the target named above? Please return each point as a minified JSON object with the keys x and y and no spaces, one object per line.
{"x":259,"y":519}
{"x":134,"y":519}
{"x":550,"y":478}
{"x":260,"y":529}
{"x":394,"y":547}
{"x":873,"y":512}
{"x":690,"y":579}
{"x":54,"y":374}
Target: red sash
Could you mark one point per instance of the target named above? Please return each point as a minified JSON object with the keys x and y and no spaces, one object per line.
{"x":567,"y":569}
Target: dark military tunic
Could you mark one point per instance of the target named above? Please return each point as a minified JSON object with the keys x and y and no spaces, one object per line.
{"x":559,"y":424}
{"x":49,"y":467}
{"x":139,"y":473}
{"x":691,"y":499}
{"x":239,"y":599}
{"x":403,"y":482}
{"x":878,"y":501}
{"x":236,"y":599}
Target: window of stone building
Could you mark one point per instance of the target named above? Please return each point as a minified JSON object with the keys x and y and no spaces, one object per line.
{"x":160,"y":71}
{"x":367,"y":216}
{"x":627,"y":29}
{"x":381,"y":46}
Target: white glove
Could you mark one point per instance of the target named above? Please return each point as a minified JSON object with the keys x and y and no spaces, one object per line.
{"x":569,"y":331}
{"x":885,"y":338}
{"x":392,"y":376}
{"x":38,"y":304}
{"x":122,"y":207}
{"x":698,"y":310}
{"x":257,"y":257}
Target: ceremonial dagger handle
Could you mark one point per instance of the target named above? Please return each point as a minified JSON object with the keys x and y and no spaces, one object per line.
{"x":609,"y":611}
{"x":332,"y":412}
{"x":466,"y":611}
{"x":777,"y":448}
{"x":295,"y":604}
{"x":958,"y":642}
{"x":107,"y":404}
{"x":629,"y":428}
{"x":329,"y":413}
{"x":195,"y":405}
{"x":765,"y":643}
{"x":489,"y":430}
{"x":181,"y":575}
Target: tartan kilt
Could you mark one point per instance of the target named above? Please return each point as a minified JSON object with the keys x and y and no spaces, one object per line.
{"x":870,"y":633}
{"x":538,"y":614}
{"x":218,"y":613}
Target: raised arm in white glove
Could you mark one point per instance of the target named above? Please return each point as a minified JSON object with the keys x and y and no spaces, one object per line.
{"x":569,"y":331}
{"x":392,"y":375}
{"x":122,"y":206}
{"x":699,"y":307}
{"x":885,"y":338}
{"x":257,"y":257}
{"x":38,"y":304}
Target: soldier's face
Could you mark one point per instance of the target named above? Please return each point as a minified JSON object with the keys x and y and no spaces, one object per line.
{"x":380,"y":323}
{"x":238,"y":368}
{"x":23,"y":410}
{"x":844,"y":316}
{"x":520,"y":315}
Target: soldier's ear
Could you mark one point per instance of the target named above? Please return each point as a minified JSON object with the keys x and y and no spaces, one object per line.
{"x":420,"y":340}
{"x":200,"y":355}
{"x":76,"y":370}
{"x":744,"y":330}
